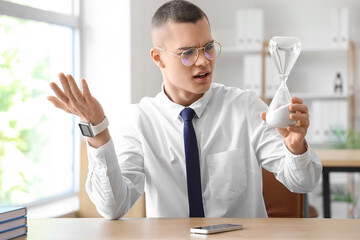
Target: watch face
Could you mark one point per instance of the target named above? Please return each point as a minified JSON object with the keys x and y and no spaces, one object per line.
{"x":85,"y":130}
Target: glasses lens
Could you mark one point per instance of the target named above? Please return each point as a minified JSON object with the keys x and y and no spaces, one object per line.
{"x":212,"y":50}
{"x":189,"y":56}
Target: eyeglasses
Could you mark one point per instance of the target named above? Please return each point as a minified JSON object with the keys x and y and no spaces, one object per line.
{"x":191,"y":55}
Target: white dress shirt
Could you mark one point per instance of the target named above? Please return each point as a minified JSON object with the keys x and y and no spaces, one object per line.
{"x":233,"y":141}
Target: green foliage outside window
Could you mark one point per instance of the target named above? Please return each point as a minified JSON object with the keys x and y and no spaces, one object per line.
{"x":18,"y":141}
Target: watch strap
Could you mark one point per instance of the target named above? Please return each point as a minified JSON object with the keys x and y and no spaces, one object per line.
{"x":100,"y":127}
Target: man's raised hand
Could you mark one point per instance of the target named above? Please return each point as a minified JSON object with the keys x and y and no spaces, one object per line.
{"x":72,"y":100}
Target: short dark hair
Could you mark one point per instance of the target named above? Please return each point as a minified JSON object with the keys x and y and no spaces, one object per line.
{"x":178,"y":11}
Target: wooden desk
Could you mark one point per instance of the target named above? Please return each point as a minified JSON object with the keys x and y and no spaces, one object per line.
{"x":336,"y":160}
{"x":152,"y":228}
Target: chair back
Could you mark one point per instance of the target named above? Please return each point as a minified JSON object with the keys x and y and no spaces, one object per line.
{"x":279,"y":201}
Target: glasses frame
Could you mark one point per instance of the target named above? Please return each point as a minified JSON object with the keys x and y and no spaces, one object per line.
{"x":197,"y":50}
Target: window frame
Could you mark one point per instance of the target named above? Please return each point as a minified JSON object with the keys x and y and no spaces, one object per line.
{"x":66,"y":201}
{"x":30,"y":13}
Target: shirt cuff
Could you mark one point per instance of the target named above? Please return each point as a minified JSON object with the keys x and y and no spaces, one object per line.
{"x":299,"y":161}
{"x":100,"y":160}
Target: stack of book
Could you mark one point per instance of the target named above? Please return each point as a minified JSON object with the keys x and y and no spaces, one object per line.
{"x":12,"y":222}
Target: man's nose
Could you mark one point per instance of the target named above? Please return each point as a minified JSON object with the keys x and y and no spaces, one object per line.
{"x":202,"y":59}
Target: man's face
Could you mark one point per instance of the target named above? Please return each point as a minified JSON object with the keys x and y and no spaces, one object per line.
{"x":186,"y":84}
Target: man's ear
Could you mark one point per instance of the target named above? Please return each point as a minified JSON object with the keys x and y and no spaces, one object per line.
{"x":155,"y":56}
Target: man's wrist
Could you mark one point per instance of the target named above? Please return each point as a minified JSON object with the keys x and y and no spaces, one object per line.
{"x":298,"y":149}
{"x":100,"y":139}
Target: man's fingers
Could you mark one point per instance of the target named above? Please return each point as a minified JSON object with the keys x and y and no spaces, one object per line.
{"x":302,"y":119}
{"x":57,"y":103}
{"x":65,"y":84}
{"x":86,"y":89}
{"x":298,"y":107}
{"x":263,"y":116}
{"x":75,"y":89}
{"x":59,"y":93}
{"x":296,"y":100}
{"x":299,"y":116}
{"x":297,"y":129}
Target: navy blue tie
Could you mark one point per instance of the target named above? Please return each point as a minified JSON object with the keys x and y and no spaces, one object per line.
{"x":192,"y":165}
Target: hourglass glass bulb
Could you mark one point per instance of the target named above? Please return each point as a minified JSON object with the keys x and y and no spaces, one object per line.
{"x":284,"y":52}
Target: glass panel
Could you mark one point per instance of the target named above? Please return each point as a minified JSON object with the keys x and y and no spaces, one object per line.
{"x":60,"y":6}
{"x":36,"y":140}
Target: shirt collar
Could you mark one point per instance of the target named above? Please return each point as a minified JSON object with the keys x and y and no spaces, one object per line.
{"x":175,"y":109}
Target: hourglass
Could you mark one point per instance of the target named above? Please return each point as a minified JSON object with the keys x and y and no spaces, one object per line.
{"x":284,"y":52}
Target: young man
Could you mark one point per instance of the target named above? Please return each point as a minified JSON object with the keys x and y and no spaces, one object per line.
{"x":196,"y":148}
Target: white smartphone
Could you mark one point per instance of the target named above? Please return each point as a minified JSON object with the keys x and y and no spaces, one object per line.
{"x":216,"y":228}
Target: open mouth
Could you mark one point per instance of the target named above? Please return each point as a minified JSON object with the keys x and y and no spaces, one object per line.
{"x":201,"y":76}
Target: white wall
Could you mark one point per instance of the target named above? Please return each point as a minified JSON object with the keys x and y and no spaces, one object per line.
{"x":105,"y":52}
{"x":145,"y":76}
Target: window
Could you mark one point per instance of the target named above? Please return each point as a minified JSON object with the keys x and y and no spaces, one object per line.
{"x":64,"y":6}
{"x":37,"y":159}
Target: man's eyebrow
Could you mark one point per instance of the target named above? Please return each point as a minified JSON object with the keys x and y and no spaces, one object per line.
{"x":186,"y":48}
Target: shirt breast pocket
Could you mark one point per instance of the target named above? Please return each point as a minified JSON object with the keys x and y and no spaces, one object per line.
{"x":227,"y":174}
